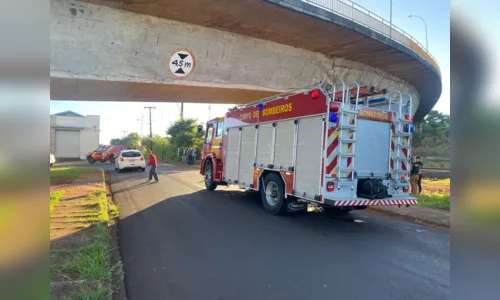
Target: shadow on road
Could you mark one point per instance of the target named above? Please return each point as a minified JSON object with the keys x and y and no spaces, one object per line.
{"x":142,"y":184}
{"x":184,"y":238}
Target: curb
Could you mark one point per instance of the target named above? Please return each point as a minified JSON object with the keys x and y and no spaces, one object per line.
{"x":417,"y":220}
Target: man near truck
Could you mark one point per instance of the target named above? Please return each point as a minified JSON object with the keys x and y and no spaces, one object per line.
{"x":416,"y":172}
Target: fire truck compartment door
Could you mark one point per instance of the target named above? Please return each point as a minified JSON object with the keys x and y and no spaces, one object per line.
{"x":309,"y":154}
{"x":283,"y":148}
{"x":372,"y":148}
{"x":232,"y":153}
{"x":265,"y":145}
{"x":247,"y":152}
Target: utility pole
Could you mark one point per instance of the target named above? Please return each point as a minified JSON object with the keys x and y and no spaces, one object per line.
{"x":182,"y":110}
{"x":150,"y":127}
{"x":124,"y":132}
{"x":209,"y":112}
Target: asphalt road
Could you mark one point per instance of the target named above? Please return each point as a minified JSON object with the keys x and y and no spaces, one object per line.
{"x":179,"y":241}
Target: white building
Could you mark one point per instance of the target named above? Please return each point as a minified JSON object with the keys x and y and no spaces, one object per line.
{"x":72,"y":135}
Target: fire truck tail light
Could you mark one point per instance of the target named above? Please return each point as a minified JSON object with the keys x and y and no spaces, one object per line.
{"x":330,"y":186}
{"x":409,"y":118}
{"x":315,"y":94}
{"x":121,"y":159}
{"x":405,"y":190}
{"x":403,"y":178}
{"x":334,"y":107}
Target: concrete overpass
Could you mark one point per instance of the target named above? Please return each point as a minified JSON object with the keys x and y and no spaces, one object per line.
{"x":122,"y":50}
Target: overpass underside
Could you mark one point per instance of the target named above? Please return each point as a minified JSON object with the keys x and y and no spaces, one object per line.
{"x":108,"y":53}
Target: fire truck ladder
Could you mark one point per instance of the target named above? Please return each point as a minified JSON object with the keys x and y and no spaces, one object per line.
{"x":347,"y":126}
{"x":403,"y":138}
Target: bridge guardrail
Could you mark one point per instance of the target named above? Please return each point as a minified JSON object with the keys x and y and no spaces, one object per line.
{"x":363,"y":16}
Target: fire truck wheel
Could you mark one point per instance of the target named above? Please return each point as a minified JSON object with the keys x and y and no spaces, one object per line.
{"x":273,"y":195}
{"x":90,"y":159}
{"x":112,"y":159}
{"x":209,"y":182}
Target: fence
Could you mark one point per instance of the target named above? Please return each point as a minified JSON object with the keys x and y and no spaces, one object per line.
{"x":361,"y":15}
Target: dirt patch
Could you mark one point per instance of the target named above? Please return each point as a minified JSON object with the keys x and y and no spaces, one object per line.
{"x":435,"y":189}
{"x":60,"y":289}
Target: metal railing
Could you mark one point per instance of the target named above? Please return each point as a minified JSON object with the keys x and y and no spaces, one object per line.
{"x":363,"y":16}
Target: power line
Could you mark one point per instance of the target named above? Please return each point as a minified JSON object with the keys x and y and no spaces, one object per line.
{"x":150,"y":127}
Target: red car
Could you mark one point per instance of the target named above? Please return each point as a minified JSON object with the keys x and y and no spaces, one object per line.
{"x":105,"y":153}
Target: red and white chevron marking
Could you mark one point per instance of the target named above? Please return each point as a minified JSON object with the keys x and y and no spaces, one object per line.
{"x":374,"y":202}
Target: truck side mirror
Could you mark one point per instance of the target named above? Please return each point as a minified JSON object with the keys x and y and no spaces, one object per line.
{"x":200,"y":129}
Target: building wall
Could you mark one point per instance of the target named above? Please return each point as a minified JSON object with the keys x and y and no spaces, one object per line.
{"x":89,"y":134}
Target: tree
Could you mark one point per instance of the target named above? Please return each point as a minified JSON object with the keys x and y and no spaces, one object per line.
{"x":183,"y":134}
{"x":133,"y":140}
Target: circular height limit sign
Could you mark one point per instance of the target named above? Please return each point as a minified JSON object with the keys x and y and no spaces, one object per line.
{"x":181,"y":62}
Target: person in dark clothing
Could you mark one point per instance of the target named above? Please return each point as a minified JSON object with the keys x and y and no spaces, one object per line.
{"x":152,"y":164}
{"x":416,"y":172}
{"x":420,"y":184}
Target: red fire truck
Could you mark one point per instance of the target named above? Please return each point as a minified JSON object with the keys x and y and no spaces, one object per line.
{"x":340,"y":150}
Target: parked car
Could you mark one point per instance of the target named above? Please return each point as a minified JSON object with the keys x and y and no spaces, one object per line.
{"x":130,"y":159}
{"x":52,"y":159}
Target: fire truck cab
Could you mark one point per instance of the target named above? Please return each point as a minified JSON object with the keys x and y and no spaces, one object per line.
{"x":340,"y":150}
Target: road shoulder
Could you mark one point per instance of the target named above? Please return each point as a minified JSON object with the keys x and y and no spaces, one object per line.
{"x":417,"y":214}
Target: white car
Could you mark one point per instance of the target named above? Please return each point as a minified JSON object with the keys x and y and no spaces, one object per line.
{"x":130,"y":159}
{"x":52,"y":159}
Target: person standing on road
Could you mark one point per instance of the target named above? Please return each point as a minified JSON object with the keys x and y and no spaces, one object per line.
{"x":152,"y":164}
{"x":416,"y":172}
{"x":420,"y":180}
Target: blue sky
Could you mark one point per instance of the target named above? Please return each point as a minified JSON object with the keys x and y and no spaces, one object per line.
{"x":435,"y":12}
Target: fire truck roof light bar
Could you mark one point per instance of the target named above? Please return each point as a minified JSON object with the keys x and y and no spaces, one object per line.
{"x":277,"y":96}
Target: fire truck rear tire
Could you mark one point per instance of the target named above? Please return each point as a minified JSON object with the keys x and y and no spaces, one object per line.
{"x":273,"y":195}
{"x":209,"y":179}
{"x":90,"y":159}
{"x":112,"y":159}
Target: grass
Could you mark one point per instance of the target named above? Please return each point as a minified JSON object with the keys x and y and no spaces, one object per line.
{"x":55,"y":197}
{"x":69,"y":172}
{"x":113,"y":211}
{"x":439,"y":201}
{"x":91,"y":262}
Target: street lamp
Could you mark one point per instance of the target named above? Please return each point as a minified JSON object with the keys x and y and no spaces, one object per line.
{"x":426,"y":40}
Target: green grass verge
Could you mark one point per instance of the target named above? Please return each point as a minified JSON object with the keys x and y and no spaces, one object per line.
{"x":55,"y":197}
{"x":91,"y":262}
{"x":439,"y":201}
{"x":69,"y":172}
